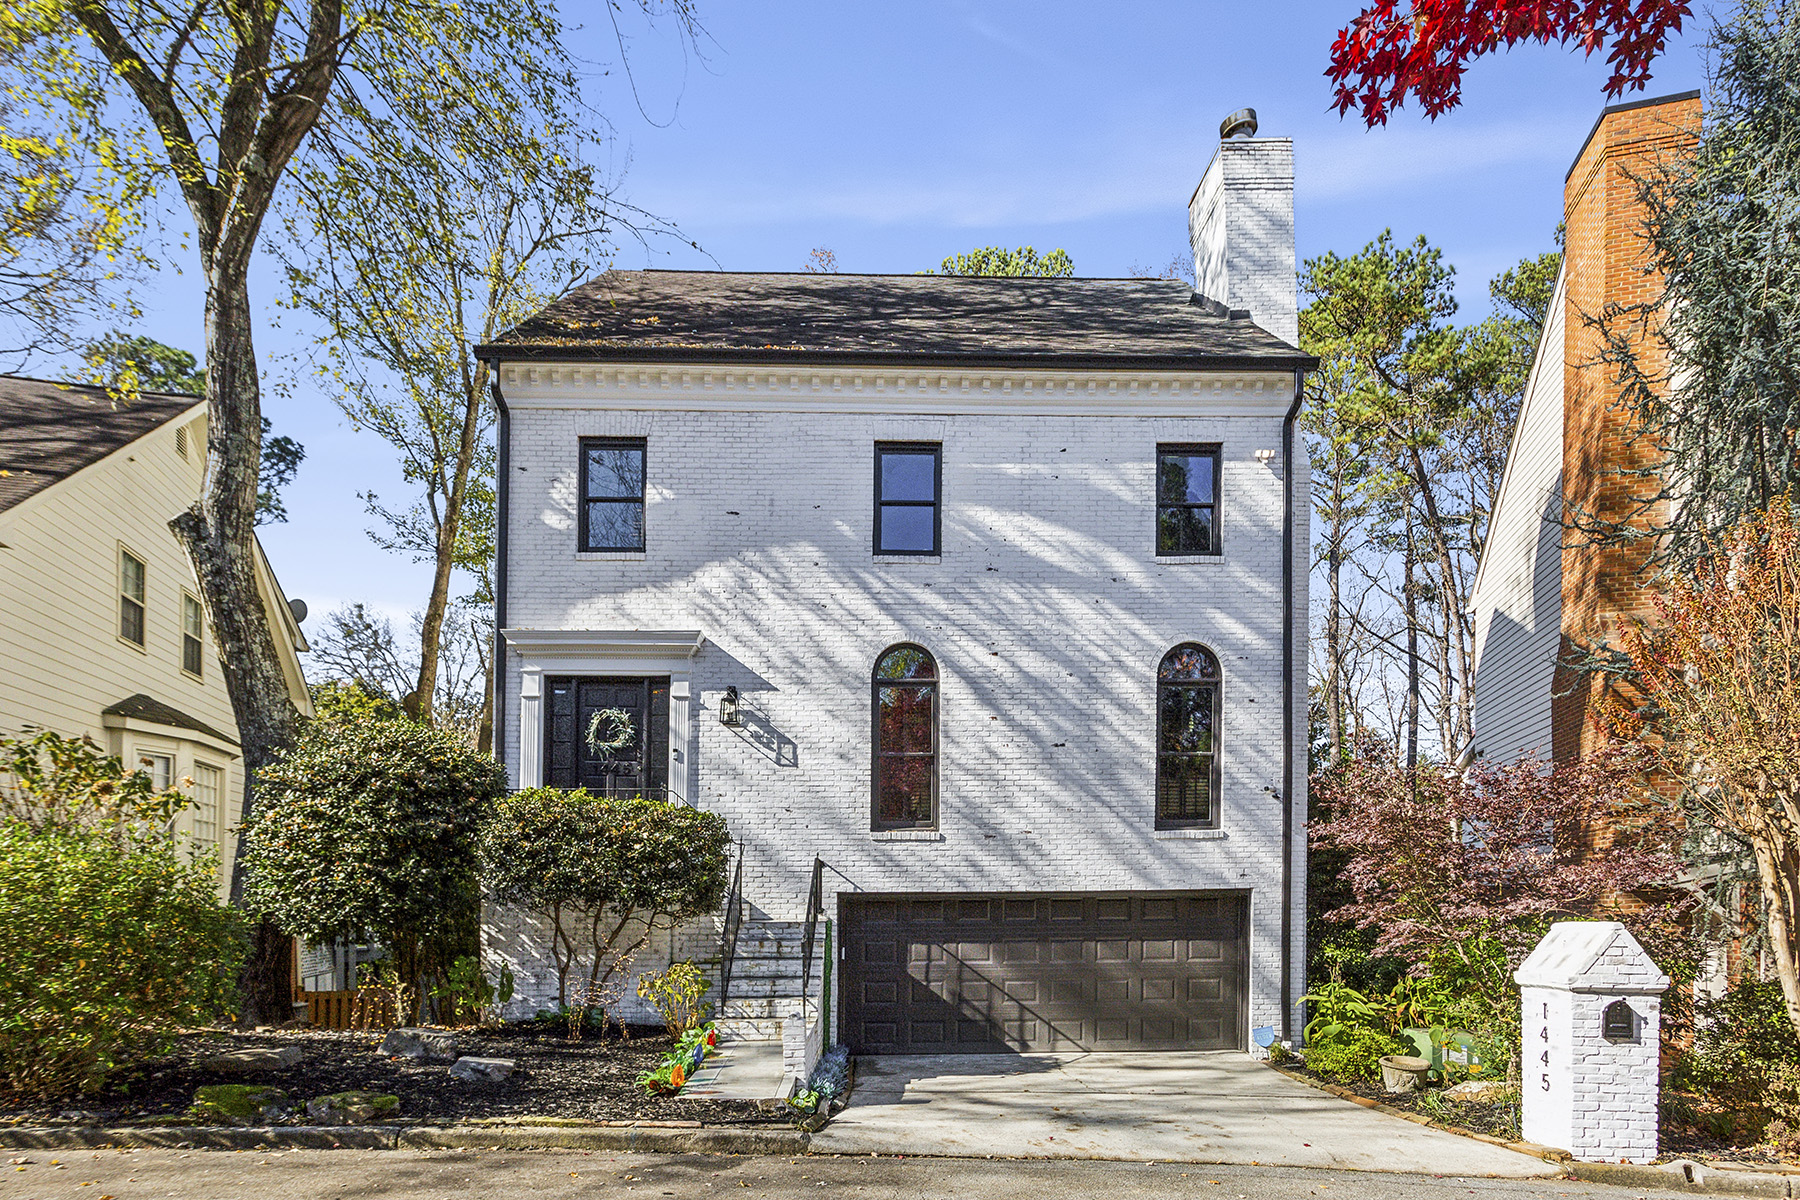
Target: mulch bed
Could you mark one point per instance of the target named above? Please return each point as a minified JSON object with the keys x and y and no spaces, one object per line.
{"x":1502,"y":1120}
{"x":1681,"y":1139}
{"x":592,"y":1079}
{"x":1499,"y":1120}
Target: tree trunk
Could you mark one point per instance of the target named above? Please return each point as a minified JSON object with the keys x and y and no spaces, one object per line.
{"x":219,"y":533}
{"x":449,"y":529}
{"x":1412,"y":647}
{"x":1334,"y":616}
{"x":1455,"y":628}
{"x":1778,"y":868}
{"x":484,"y":735}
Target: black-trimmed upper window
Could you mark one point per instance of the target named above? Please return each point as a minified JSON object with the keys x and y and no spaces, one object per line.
{"x":909,"y":483}
{"x":1187,"y":739}
{"x":906,"y":739}
{"x":612,"y":493}
{"x":1187,"y":499}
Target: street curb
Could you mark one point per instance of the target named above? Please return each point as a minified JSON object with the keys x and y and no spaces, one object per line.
{"x":1530,"y":1149}
{"x":705,"y":1140}
{"x":1686,"y":1175}
{"x":1682,"y":1175}
{"x":624,"y":1136}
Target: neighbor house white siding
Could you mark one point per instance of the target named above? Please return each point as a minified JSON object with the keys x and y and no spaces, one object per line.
{"x":1048,"y":612}
{"x":1518,"y":594}
{"x":62,"y":658}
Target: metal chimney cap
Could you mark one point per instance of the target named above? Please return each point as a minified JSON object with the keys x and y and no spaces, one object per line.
{"x":1241,"y":123}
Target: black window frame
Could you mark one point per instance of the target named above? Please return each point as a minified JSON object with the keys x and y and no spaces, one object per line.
{"x":1213,"y":450}
{"x":935,"y":686}
{"x":936,"y":503}
{"x":642,"y":446}
{"x":1215,"y":801}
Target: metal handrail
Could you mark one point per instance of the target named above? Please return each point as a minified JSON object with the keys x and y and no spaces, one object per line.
{"x":734,"y":921}
{"x":815,"y":904}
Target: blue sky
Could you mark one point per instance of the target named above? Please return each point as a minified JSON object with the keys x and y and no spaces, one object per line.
{"x":896,"y":134}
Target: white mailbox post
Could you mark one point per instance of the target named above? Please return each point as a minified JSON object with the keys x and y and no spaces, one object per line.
{"x":1589,"y":1043}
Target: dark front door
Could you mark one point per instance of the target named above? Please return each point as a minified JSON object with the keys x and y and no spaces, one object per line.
{"x":979,"y":974}
{"x":572,"y":757}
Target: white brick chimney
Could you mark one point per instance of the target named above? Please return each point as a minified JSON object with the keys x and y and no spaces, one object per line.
{"x":1241,"y":222}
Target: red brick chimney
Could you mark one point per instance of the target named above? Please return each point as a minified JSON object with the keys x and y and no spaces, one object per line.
{"x":1604,"y":263}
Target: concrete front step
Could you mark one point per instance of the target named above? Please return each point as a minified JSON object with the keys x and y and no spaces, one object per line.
{"x":750,"y":1029}
{"x":756,"y":987}
{"x":759,"y":1008}
{"x":771,"y":948}
{"x":761,"y":967}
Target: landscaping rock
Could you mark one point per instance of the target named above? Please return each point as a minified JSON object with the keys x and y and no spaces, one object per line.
{"x":424,"y":1045}
{"x":238,"y":1104}
{"x":251,"y":1062}
{"x":351,"y":1108}
{"x":1478,"y":1091}
{"x":483,"y":1070}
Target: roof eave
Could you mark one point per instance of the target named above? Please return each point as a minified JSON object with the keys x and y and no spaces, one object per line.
{"x":526,"y":352}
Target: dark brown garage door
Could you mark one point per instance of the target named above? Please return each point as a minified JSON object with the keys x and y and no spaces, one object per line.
{"x":934,"y":974}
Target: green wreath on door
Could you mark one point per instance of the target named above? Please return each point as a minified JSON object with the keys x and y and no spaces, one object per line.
{"x":610,"y":732}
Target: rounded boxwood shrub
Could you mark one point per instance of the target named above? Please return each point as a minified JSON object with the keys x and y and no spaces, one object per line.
{"x":603,"y":871}
{"x":367,"y":829}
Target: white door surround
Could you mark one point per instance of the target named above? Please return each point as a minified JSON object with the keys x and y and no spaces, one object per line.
{"x":602,"y":652}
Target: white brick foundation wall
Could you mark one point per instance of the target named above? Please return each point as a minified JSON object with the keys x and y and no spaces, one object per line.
{"x":1048,"y":613}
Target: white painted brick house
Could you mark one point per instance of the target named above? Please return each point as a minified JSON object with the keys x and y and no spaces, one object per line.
{"x":986,"y":597}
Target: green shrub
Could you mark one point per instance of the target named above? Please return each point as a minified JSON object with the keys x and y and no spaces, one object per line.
{"x":1742,"y":1040}
{"x":604,"y":871}
{"x":367,"y":829}
{"x":112,"y":936}
{"x":466,"y":995}
{"x":676,"y":994}
{"x":1352,"y":1053}
{"x":106,"y":948}
{"x":1337,"y":1009}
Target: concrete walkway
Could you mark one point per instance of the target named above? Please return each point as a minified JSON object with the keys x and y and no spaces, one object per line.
{"x":739,"y":1071}
{"x":1196,"y":1107}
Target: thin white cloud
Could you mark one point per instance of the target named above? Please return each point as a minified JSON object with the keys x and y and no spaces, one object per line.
{"x":1359,"y":163}
{"x":1006,"y":40}
{"x":1149,"y":169}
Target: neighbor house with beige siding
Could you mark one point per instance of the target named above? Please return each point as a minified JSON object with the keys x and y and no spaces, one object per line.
{"x":103,"y":630}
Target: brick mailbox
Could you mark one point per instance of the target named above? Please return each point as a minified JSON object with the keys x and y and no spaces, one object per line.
{"x":1589,"y":1055}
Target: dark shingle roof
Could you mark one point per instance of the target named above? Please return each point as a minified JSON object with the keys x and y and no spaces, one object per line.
{"x":49,"y":431}
{"x":148,"y":708}
{"x":717,"y":316}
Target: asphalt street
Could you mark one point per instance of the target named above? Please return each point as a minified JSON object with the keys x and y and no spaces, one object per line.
{"x":555,"y":1174}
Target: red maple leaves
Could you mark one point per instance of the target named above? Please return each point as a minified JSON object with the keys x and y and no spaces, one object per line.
{"x":1390,"y":53}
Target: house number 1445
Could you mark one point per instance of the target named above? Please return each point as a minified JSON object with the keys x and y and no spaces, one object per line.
{"x":1544,"y":1034}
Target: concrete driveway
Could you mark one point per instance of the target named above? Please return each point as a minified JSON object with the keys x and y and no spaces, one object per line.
{"x":1216,"y":1107}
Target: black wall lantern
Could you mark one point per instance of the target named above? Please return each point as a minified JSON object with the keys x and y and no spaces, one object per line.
{"x":729,"y":713}
{"x":1618,"y":1023}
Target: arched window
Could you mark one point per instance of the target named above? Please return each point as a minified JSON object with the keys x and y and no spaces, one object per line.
{"x":1187,"y":739}
{"x":906,"y":732}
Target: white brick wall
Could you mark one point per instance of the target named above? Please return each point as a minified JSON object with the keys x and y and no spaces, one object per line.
{"x":1581,"y":1091}
{"x":1241,"y":226}
{"x":1048,"y":613}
